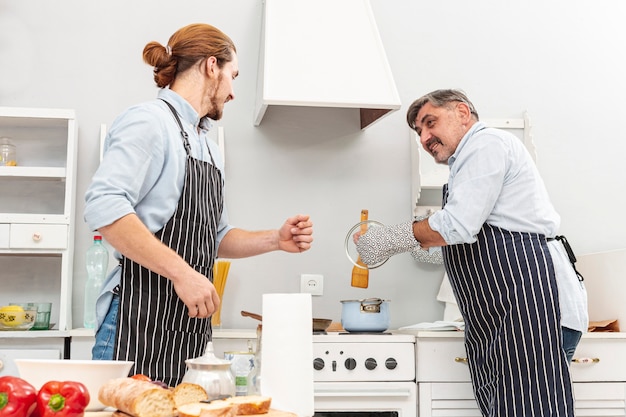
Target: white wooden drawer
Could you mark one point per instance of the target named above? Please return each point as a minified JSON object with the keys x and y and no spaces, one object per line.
{"x":441,"y":359}
{"x":38,"y":236}
{"x":603,"y":360}
{"x":4,"y":236}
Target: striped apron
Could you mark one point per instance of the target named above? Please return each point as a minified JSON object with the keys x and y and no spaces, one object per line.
{"x":154,"y":329}
{"x":506,"y":290}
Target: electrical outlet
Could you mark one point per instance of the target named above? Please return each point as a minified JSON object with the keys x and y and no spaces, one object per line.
{"x":312,"y":283}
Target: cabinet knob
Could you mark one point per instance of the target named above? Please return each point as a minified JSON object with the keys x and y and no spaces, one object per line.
{"x":36,"y":237}
{"x":586,"y":360}
{"x":460,"y":360}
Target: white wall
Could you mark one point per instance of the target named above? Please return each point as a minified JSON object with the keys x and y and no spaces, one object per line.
{"x":560,"y":61}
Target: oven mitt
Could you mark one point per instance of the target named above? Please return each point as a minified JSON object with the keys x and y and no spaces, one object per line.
{"x":432,"y":255}
{"x":381,"y":243}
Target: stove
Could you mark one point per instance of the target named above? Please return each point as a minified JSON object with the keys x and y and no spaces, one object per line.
{"x":372,"y":375}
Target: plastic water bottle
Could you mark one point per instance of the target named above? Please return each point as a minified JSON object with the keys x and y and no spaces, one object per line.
{"x":97,"y":265}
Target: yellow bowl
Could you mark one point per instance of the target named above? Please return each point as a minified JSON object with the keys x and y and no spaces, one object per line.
{"x":12,"y":318}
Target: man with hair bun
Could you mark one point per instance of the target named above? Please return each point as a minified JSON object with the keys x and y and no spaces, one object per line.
{"x":158,"y":199}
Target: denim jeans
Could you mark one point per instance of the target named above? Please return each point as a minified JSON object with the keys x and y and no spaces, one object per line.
{"x":570,"y":341}
{"x":105,"y":336}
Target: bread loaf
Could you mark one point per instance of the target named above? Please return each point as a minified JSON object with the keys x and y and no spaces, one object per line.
{"x":187,"y":392}
{"x":250,"y":404}
{"x":212,"y":409}
{"x":138,"y":398}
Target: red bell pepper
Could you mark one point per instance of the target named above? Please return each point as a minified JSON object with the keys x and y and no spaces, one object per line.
{"x":17,"y":397}
{"x":62,"y":399}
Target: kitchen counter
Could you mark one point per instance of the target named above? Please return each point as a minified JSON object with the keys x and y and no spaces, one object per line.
{"x":109,"y":412}
{"x":224,"y":340}
{"x":459,"y":334}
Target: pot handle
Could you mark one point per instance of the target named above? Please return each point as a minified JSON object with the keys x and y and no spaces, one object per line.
{"x":372,"y":307}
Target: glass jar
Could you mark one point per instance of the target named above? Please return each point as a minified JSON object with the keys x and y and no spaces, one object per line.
{"x":7,"y":153}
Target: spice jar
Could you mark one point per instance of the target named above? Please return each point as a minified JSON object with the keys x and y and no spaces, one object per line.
{"x":7,"y":153}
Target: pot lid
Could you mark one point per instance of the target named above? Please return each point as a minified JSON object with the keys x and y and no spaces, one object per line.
{"x":208,"y":359}
{"x":366,"y":300}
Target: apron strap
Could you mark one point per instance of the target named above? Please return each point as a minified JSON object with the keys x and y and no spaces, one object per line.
{"x":180,"y":125}
{"x":570,"y":255}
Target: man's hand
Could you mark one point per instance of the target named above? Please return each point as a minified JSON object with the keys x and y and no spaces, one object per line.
{"x":380,"y":243}
{"x":296,"y":234}
{"x":198,"y":294}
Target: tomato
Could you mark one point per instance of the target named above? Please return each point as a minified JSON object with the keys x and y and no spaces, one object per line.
{"x":141,"y":377}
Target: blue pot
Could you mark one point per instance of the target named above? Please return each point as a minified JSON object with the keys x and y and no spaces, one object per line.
{"x":370,"y":315}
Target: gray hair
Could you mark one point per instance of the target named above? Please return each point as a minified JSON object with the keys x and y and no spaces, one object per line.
{"x":438,"y":98}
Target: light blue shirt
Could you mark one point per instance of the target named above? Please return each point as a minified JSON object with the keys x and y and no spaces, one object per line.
{"x":494,"y":180}
{"x":143,"y":170}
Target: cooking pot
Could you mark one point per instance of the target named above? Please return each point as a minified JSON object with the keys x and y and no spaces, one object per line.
{"x":319,"y":325}
{"x":211,"y":373}
{"x":370,"y":315}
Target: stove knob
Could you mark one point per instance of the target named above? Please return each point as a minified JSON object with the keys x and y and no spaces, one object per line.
{"x":318,"y":364}
{"x":350,"y":364}
{"x":391,"y":363}
{"x":370,"y":363}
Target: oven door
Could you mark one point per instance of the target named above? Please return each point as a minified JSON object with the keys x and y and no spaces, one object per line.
{"x":365,"y":399}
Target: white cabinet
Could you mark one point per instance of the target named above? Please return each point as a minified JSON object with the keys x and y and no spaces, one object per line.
{"x":444,"y":387}
{"x":37,"y":199}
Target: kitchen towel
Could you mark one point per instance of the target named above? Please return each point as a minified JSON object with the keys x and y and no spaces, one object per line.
{"x":451,"y":310}
{"x":287,"y":352}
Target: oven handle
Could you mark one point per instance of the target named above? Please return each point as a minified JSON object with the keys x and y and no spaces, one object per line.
{"x":391,"y":392}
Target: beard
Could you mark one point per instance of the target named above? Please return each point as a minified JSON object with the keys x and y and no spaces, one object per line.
{"x":217,"y":108}
{"x":216,"y":111}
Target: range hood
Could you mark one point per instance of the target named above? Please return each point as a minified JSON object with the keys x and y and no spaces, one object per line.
{"x":324,"y":53}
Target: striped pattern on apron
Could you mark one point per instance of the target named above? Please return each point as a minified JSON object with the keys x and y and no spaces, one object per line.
{"x":506,"y":290}
{"x":154,"y":329}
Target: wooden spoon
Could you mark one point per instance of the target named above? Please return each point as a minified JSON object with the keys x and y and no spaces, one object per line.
{"x":360,"y":276}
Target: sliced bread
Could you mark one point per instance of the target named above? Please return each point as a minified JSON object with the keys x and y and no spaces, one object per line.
{"x":250,"y":404}
{"x":187,"y":392}
{"x":212,"y":409}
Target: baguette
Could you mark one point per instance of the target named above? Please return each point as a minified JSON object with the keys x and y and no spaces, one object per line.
{"x":187,"y":392}
{"x":250,"y":404}
{"x":137,"y":398}
{"x":212,"y":409}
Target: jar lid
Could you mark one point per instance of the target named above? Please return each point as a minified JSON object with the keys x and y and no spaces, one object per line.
{"x":209,"y":359}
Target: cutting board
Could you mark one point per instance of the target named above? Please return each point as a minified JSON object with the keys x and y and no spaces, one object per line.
{"x":270,"y":413}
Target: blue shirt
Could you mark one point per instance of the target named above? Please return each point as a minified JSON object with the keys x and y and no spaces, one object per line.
{"x":494,"y":180}
{"x":143,"y":170}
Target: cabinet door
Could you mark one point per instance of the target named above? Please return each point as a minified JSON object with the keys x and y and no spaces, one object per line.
{"x":447,"y":400}
{"x":442,"y":360}
{"x":600,"y":398}
{"x":457,"y":399}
